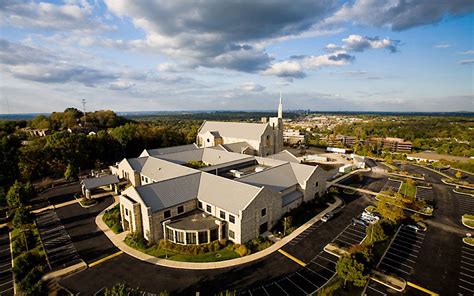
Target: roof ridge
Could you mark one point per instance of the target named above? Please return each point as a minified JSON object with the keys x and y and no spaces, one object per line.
{"x":270,"y":168}
{"x":162,"y":181}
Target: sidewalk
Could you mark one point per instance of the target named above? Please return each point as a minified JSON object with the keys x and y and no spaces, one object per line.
{"x":117,"y":240}
{"x":52,"y":207}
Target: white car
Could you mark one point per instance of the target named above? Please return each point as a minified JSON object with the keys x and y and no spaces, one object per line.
{"x":327,"y":216}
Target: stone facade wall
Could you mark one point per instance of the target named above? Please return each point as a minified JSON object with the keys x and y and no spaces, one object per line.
{"x":251,"y":217}
{"x":310,"y":189}
{"x":158,"y":217}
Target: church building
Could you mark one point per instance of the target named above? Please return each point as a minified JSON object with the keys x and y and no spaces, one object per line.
{"x":259,"y":139}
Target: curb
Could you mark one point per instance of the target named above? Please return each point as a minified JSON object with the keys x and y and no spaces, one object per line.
{"x":207,"y":265}
{"x":407,"y":176}
{"x":457,"y":185}
{"x":463,"y":193}
{"x":11,"y":255}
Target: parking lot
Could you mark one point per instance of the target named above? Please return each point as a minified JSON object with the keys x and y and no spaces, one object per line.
{"x":60,"y":250}
{"x":465,"y":204}
{"x":401,"y":257}
{"x":315,"y":274}
{"x":466,"y":274}
{"x":426,"y":194}
{"x":392,"y":185}
{"x":6,"y":275}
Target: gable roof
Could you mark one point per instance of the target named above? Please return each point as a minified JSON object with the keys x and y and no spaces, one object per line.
{"x":159,"y":169}
{"x":91,"y":183}
{"x":285,"y":155}
{"x":237,"y":147}
{"x":167,"y":150}
{"x":171,"y":192}
{"x":277,"y":178}
{"x":137,"y":163}
{"x":226,"y":194}
{"x":237,"y":130}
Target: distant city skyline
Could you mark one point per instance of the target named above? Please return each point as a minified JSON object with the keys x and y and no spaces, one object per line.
{"x":328,"y":55}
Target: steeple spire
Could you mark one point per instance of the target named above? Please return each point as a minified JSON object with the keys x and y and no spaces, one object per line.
{"x":280,"y":108}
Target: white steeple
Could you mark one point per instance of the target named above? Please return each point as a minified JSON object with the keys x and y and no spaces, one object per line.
{"x":280,"y":108}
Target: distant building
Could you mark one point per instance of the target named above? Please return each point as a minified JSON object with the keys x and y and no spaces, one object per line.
{"x":292,"y":137}
{"x":262,"y":139}
{"x":36,"y":132}
{"x":393,"y":144}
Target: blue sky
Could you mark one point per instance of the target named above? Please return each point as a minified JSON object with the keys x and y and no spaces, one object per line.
{"x":360,"y":55}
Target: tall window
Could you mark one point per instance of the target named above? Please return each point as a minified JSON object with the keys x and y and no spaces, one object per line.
{"x":179,"y":237}
{"x":231,"y":234}
{"x":264,"y":212}
{"x":232,"y":219}
{"x":317,"y":184}
{"x":199,"y":204}
{"x":191,"y":238}
{"x":208,"y":208}
{"x":203,"y":237}
{"x":169,"y":234}
{"x":167,"y":214}
{"x":180,"y":209}
{"x":222,"y":215}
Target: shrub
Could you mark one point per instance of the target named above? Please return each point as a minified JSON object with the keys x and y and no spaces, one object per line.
{"x":242,"y":250}
{"x":375,"y":233}
{"x":31,"y":279}
{"x":24,"y":263}
{"x":136,"y":240}
{"x":112,"y":219}
{"x":22,"y":217}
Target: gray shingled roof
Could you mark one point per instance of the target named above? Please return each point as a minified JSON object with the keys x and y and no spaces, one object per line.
{"x":137,"y":163}
{"x":207,"y":155}
{"x":276,"y":178}
{"x":291,"y":197}
{"x":91,"y":183}
{"x":226,"y":194}
{"x":159,"y":169}
{"x":238,"y":130}
{"x":237,"y":147}
{"x":285,"y":155}
{"x":174,"y":149}
{"x":168,"y":193}
{"x":223,"y":193}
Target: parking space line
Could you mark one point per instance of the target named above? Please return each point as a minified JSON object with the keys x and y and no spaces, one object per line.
{"x":392,"y":267}
{"x":358,"y":239}
{"x":6,"y":283}
{"x":295,"y":285}
{"x":334,"y":262}
{"x":403,"y":252}
{"x":467,"y":263}
{"x":345,"y":242}
{"x":281,"y":288}
{"x":471,"y":276}
{"x":462,"y":287}
{"x":395,"y":243}
{"x":307,"y":280}
{"x":397,"y":262}
{"x":389,"y":253}
{"x":321,"y":266}
{"x":376,"y":290}
{"x":320,"y":275}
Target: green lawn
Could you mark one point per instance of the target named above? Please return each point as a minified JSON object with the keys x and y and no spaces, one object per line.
{"x":31,"y":236}
{"x":408,"y":189}
{"x":112,"y":219}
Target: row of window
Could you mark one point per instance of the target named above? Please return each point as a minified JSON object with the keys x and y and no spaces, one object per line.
{"x":144,"y":179}
{"x":179,"y":209}
{"x":222,"y":214}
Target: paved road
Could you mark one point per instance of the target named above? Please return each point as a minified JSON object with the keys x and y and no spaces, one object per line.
{"x":6,"y":275}
{"x":91,"y":243}
{"x":153,"y":279}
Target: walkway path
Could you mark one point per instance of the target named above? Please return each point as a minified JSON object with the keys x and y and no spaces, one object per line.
{"x":117,"y":240}
{"x":52,"y":207}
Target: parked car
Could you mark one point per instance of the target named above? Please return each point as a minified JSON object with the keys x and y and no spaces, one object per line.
{"x":417,"y":227}
{"x":369,"y":218}
{"x":327,"y":216}
{"x":360,"y":222}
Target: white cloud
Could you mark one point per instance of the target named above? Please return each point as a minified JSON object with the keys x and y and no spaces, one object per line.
{"x":286,"y":69}
{"x":252,"y":87}
{"x":360,"y":43}
{"x":442,"y":45}
{"x":121,"y":85}
{"x":467,"y":52}
{"x":466,"y":62}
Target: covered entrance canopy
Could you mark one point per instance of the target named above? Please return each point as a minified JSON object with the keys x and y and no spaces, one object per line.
{"x":90,"y":184}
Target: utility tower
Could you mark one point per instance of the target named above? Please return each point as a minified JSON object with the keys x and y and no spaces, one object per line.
{"x":84,"y":109}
